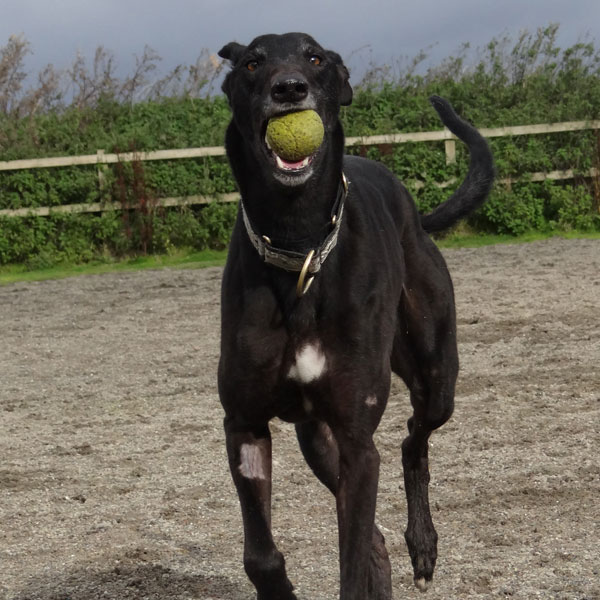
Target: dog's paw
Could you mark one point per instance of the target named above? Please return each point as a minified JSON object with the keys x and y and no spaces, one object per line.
{"x":281,"y":590}
{"x":422,"y":547}
{"x":290,"y":596}
{"x":422,"y":584}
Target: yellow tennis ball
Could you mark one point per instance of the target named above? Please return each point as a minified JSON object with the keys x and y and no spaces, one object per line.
{"x":296,"y":135}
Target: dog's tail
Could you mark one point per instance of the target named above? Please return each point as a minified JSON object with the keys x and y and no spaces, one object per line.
{"x":477,"y":184}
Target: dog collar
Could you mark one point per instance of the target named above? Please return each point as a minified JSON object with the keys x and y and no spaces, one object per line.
{"x":289,"y":260}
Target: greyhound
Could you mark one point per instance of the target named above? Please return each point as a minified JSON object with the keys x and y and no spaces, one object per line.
{"x":331,"y":283}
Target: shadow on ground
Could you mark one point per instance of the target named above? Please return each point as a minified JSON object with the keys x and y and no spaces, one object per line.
{"x":150,"y":582}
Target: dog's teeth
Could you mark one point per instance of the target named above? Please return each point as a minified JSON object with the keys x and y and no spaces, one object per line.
{"x":292,"y":166}
{"x":267,"y":143}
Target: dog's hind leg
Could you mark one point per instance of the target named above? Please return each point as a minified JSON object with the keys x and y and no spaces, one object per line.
{"x":421,"y":537}
{"x":321,"y":453}
{"x":425,"y":356}
{"x":249,"y":452}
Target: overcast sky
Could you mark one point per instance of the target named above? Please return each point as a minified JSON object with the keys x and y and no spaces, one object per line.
{"x":362,"y":31}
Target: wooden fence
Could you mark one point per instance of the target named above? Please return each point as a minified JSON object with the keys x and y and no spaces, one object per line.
{"x":102,"y":158}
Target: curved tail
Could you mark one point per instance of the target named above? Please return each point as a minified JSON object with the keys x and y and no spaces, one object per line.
{"x":477,"y":184}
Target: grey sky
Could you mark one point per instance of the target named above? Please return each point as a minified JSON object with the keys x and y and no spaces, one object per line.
{"x":364,"y":31}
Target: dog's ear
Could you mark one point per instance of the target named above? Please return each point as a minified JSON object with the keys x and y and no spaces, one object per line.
{"x":343,"y":77}
{"x":232,"y":52}
{"x":346,"y":94}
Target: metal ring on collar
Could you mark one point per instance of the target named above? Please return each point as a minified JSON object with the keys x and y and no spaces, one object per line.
{"x":301,"y":286}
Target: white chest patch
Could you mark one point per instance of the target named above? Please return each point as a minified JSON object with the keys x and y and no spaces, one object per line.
{"x":251,"y":462}
{"x":310,"y":364}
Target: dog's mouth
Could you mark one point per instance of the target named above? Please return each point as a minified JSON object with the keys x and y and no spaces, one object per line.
{"x":289,"y":166}
{"x":289,"y":172}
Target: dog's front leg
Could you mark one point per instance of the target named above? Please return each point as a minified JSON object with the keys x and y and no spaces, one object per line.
{"x":249,"y":452}
{"x":356,"y":499}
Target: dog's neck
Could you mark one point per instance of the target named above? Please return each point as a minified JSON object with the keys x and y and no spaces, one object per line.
{"x":296,"y":218}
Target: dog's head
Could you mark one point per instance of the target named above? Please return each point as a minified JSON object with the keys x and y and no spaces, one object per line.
{"x":276,"y":75}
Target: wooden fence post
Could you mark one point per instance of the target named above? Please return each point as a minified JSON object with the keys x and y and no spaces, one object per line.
{"x":101,"y":176}
{"x":450,"y":147}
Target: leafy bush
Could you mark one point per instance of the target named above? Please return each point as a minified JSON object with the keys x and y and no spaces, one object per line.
{"x":573,"y":208}
{"x":513,"y":211}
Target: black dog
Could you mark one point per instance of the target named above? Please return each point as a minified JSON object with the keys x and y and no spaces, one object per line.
{"x":321,"y":355}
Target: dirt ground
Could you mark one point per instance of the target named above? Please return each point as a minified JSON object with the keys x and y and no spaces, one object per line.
{"x":113,"y":477}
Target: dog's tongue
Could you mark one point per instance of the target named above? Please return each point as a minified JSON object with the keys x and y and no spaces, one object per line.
{"x":291,"y":165}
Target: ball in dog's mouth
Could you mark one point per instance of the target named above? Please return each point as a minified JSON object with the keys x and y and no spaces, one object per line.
{"x":294,"y":138}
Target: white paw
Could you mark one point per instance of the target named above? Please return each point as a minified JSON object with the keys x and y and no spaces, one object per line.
{"x":422,"y":584}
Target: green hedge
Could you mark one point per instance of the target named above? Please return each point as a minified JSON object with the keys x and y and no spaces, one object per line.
{"x":44,"y":241}
{"x":517,"y":83}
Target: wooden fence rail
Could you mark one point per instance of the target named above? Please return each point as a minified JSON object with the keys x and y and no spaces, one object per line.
{"x":102,"y":158}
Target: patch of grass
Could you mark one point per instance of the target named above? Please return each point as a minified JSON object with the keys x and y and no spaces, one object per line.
{"x":470,"y":240}
{"x":181,"y":259}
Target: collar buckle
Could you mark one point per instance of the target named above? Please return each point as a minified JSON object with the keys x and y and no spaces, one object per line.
{"x":301,"y":286}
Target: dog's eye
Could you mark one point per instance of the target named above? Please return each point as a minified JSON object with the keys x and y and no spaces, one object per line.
{"x":316,"y":60}
{"x":252,"y":65}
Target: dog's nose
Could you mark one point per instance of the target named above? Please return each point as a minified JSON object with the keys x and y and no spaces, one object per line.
{"x":289,"y":88}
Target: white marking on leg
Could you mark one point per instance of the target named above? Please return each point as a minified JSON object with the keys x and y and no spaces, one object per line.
{"x":310,"y":364}
{"x":251,"y":462}
{"x":371,"y":401}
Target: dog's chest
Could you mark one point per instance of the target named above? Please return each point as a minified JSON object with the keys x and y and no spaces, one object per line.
{"x":289,"y":376}
{"x":305,"y":367}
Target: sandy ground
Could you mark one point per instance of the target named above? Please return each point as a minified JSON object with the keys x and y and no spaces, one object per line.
{"x":113,"y":478}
